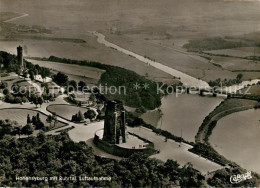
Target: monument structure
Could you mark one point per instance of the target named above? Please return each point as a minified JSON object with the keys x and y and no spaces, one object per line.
{"x":114,"y":125}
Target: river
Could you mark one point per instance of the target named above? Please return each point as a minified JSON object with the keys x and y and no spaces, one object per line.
{"x":185,"y":113}
{"x":237,"y":137}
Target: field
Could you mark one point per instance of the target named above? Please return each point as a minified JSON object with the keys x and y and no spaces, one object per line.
{"x":20,"y":115}
{"x":88,"y":72}
{"x":231,"y":63}
{"x":8,"y":15}
{"x":238,"y":52}
{"x":78,"y":73}
{"x":255,"y":90}
{"x":66,"y":111}
{"x":172,"y":56}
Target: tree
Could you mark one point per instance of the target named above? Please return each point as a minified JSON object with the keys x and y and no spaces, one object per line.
{"x":36,"y":72}
{"x":29,"y":121}
{"x":72,"y":85}
{"x":39,"y":125}
{"x":18,"y":100}
{"x":42,"y":137}
{"x":61,"y":79}
{"x":90,"y":114}
{"x":36,"y":101}
{"x":24,"y":99}
{"x":239,"y":76}
{"x":3,"y":85}
{"x":49,"y":119}
{"x":34,"y":120}
{"x":27,"y":129}
{"x":75,"y":118}
{"x":82,"y":86}
{"x":80,"y":116}
{"x":40,"y":101}
{"x":6,"y":91}
{"x":31,"y":73}
{"x":92,"y":98}
{"x":38,"y":117}
{"x":18,"y":130}
{"x":54,"y":118}
{"x":1,"y":61}
{"x":9,"y":98}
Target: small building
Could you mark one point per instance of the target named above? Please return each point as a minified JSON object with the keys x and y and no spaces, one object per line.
{"x":80,"y":98}
{"x":40,"y":79}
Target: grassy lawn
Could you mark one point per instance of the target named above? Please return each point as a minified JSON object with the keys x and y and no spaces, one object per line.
{"x":66,"y":111}
{"x":233,"y":103}
{"x":20,"y":115}
{"x":24,"y":84}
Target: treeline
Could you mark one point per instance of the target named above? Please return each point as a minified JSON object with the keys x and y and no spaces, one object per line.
{"x":117,"y":76}
{"x":9,"y":62}
{"x":208,"y":152}
{"x":215,"y":43}
{"x":44,"y":156}
{"x":226,"y":82}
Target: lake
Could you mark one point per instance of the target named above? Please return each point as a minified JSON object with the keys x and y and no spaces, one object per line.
{"x":237,"y":137}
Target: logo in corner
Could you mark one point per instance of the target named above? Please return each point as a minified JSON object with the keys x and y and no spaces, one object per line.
{"x":240,"y":177}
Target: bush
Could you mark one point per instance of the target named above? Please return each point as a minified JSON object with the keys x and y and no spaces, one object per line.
{"x":90,"y":114}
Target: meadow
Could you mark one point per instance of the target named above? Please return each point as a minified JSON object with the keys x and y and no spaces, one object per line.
{"x":238,"y":52}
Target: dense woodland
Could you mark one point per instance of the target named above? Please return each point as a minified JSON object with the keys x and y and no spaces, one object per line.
{"x":44,"y":156}
{"x":116,"y":76}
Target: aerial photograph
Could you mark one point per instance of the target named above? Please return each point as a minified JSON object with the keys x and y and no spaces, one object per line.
{"x":130,"y":93}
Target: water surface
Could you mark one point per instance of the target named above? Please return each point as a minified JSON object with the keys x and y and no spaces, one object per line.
{"x":186,"y":113}
{"x":237,"y":137}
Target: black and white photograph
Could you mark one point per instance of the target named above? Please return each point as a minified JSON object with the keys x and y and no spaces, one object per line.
{"x":130,"y":93}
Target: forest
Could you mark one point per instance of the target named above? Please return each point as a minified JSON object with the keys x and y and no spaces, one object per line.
{"x":50,"y":156}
